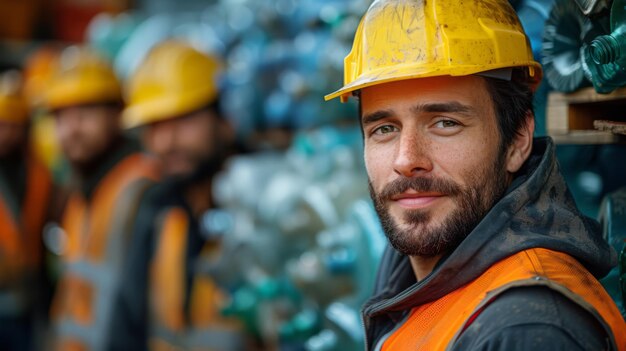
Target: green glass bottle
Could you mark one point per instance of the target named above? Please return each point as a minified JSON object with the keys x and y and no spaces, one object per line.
{"x":604,"y":59}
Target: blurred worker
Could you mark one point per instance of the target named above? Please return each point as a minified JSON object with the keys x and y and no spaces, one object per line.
{"x":39,"y":67}
{"x":166,"y":303}
{"x":110,"y":176}
{"x":25,"y":191}
{"x":489,"y":251}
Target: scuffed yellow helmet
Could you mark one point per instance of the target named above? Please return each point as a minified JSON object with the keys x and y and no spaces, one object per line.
{"x":13,"y":106}
{"x":82,"y":77}
{"x":173,"y":80}
{"x":406,"y":39}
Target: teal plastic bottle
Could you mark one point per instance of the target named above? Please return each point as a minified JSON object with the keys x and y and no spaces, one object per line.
{"x":604,"y":59}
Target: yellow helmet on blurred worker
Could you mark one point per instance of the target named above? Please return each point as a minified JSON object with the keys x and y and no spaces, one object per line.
{"x":406,"y":39}
{"x":173,"y":80}
{"x":82,"y":77}
{"x":39,"y":68}
{"x":13,"y":107}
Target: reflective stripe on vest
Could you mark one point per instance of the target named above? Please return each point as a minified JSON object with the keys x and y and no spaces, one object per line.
{"x":97,"y":234}
{"x":203,"y":328}
{"x":438,"y":324}
{"x":21,"y":238}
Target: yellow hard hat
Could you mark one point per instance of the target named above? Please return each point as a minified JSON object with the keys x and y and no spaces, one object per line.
{"x":82,"y":77}
{"x":173,"y":80}
{"x":38,"y":71}
{"x":406,"y":39}
{"x":13,"y":107}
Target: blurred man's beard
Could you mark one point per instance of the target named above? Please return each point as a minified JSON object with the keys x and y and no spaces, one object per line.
{"x":417,"y":237}
{"x":13,"y":153}
{"x":87,"y":165}
{"x":204,"y":169}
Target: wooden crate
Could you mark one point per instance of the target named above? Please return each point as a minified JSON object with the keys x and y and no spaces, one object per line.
{"x":570,"y":117}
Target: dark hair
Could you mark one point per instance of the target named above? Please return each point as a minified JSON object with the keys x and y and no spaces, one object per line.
{"x":512,"y":102}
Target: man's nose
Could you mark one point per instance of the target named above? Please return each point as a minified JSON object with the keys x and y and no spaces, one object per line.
{"x":162,"y":137}
{"x":412,"y":156}
{"x":67,"y":124}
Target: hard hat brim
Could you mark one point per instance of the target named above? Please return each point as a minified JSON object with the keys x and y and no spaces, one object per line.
{"x":74,"y":93}
{"x":398,"y":73}
{"x":156,"y":110}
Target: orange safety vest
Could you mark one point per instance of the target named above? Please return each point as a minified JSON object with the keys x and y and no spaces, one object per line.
{"x":97,"y":236}
{"x":438,"y":324}
{"x":21,"y":238}
{"x":170,"y":329}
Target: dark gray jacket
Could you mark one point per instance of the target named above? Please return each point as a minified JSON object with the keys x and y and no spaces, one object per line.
{"x":538,"y":211}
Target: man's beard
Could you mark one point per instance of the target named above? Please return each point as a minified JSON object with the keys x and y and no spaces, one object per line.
{"x":86,"y":168}
{"x":14,"y":154}
{"x":205,"y":168}
{"x":473,"y":202}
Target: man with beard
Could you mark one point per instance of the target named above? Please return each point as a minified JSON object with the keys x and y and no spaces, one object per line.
{"x":166,"y":303}
{"x":25,"y":190}
{"x":110,"y":175}
{"x":488,"y":250}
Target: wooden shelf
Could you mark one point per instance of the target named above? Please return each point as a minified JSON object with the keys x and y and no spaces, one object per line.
{"x":611,"y":126}
{"x":584,"y":137}
{"x":570,"y":118}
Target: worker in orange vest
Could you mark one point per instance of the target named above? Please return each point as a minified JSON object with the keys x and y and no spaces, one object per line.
{"x":166,"y":303}
{"x":25,"y":192}
{"x":110,"y":175}
{"x":488,"y":250}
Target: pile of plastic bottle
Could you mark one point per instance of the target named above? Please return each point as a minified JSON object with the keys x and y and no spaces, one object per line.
{"x":300,"y":241}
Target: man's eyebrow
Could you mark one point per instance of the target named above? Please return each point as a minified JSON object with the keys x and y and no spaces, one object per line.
{"x":445,"y":107}
{"x":450,"y":106}
{"x":375,"y":116}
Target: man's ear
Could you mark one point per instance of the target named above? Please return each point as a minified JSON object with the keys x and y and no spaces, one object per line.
{"x":522,"y":145}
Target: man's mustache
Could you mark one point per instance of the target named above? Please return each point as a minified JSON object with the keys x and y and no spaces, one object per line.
{"x":420,"y":184}
{"x":175,"y":155}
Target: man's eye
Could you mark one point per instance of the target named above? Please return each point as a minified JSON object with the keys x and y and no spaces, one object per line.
{"x":446,"y":123}
{"x":385,"y":129}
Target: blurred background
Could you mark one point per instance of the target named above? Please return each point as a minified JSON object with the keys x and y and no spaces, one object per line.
{"x":299,"y":238}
